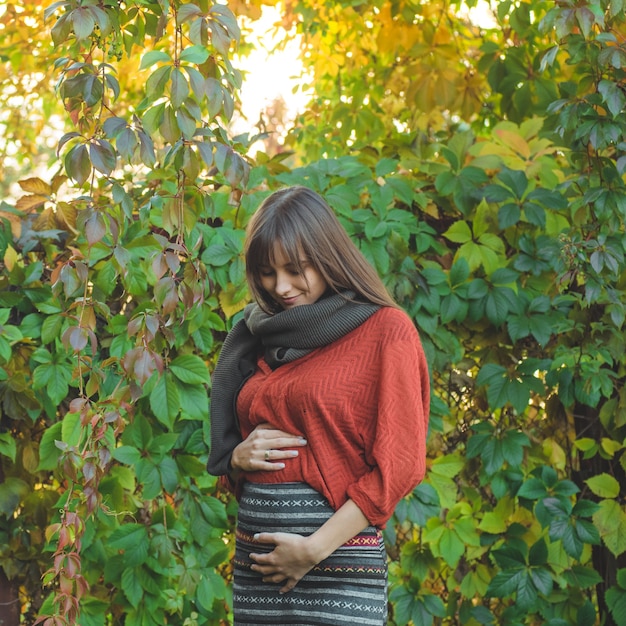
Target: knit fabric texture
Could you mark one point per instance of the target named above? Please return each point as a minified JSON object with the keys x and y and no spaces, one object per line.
{"x":362,"y":404}
{"x":283,"y":338}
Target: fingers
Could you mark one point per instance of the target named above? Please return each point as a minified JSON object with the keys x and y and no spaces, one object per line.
{"x":265,"y":449}
{"x":272,"y":538}
{"x":271,"y":454}
{"x":277,"y":438}
{"x":270,"y":574}
{"x":271,"y":446}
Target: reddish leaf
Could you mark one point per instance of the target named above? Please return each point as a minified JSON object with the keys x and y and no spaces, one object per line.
{"x":77,"y":164}
{"x":95,"y":228}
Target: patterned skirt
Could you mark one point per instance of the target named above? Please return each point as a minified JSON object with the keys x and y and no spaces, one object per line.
{"x":347,"y":588}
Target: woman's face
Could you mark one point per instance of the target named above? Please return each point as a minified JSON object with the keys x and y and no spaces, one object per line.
{"x":287,"y":286}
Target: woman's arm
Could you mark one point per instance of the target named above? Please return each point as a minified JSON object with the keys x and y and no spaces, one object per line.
{"x":295,"y":555}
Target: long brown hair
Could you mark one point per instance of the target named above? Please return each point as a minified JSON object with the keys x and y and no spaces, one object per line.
{"x":303,"y":225}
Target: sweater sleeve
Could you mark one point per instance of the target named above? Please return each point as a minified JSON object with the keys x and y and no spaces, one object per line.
{"x":234,"y":366}
{"x":397,"y":449}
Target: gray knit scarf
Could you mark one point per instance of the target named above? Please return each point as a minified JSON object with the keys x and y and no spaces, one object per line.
{"x":283,"y":337}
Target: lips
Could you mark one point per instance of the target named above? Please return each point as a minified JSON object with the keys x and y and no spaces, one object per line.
{"x":289,"y":301}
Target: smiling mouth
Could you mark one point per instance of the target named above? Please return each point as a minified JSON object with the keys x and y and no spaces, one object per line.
{"x":288,"y":301}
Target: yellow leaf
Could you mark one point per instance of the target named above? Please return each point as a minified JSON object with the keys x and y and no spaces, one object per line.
{"x":57,"y":181}
{"x":493,"y":523}
{"x":514,"y":141}
{"x":10,"y":258}
{"x":555,"y":453}
{"x":229,"y":305}
{"x":45,"y":221}
{"x":30,"y":458}
{"x":36,"y":186}
{"x":26,"y":203}
{"x":66,"y":216}
{"x":610,"y":446}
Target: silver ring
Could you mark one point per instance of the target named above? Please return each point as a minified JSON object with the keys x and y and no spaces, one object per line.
{"x":267,"y":455}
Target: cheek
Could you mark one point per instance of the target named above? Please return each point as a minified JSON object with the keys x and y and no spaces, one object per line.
{"x":318,"y":286}
{"x":266,"y":283}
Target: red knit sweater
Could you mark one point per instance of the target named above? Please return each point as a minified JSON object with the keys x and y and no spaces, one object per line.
{"x":362,"y":403}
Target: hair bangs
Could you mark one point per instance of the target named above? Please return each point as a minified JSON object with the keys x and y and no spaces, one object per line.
{"x":296,"y":223}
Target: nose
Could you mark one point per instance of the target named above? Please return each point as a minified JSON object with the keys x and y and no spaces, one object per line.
{"x":283,"y":284}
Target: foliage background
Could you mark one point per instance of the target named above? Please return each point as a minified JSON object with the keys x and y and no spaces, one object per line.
{"x":482,"y":172}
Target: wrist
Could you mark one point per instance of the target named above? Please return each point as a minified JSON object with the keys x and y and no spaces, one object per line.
{"x":234,"y":465}
{"x":318,"y":549}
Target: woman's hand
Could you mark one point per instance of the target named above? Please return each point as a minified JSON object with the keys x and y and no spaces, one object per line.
{"x":292,"y":557}
{"x":264,"y":449}
{"x":295,"y":555}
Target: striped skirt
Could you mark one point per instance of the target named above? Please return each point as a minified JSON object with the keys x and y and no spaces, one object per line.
{"x":347,"y":588}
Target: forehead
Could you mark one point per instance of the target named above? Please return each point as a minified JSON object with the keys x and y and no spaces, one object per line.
{"x":280,"y":255}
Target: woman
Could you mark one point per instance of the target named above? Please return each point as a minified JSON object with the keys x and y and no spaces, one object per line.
{"x":319,"y":412}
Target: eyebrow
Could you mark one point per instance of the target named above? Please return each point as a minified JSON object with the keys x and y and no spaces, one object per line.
{"x":302,"y":263}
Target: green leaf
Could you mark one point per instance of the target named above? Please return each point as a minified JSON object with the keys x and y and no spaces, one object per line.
{"x":5,"y":350}
{"x":538,"y":553}
{"x":12,"y":492}
{"x":616,"y":601}
{"x":48,"y":451}
{"x":165,"y":400}
{"x":155,"y":86}
{"x":448,"y":465}
{"x":78,"y":164}
{"x":583,"y":577}
{"x":515,"y":180}
{"x":131,"y":586}
{"x":451,"y":547}
{"x":610,"y":520}
{"x":149,"y":477}
{"x":459,"y":232}
{"x":83,"y":22}
{"x":71,"y":429}
{"x":180,"y":88}
{"x":542,"y":580}
{"x":434,"y":605}
{"x":51,"y":328}
{"x":453,"y":308}
{"x":190,"y":369}
{"x":102,"y":156}
{"x":55,"y":377}
{"x":532,"y":489}
{"x":132,"y":540}
{"x":210,"y":587}
{"x":504,"y":583}
{"x":459,"y":272}
{"x":472,"y":253}
{"x":586,"y":531}
{"x":168,"y":469}
{"x":154,"y":56}
{"x":194,"y":401}
{"x":7,"y":446}
{"x":220,"y":38}
{"x":562,"y":529}
{"x":526,"y":592}
{"x":186,"y":12}
{"x":604,"y":485}
{"x":509,"y":215}
{"x":513,"y":443}
{"x":195,"y":54}
{"x":222,"y":13}
{"x":497,"y":306}
{"x":126,"y":454}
